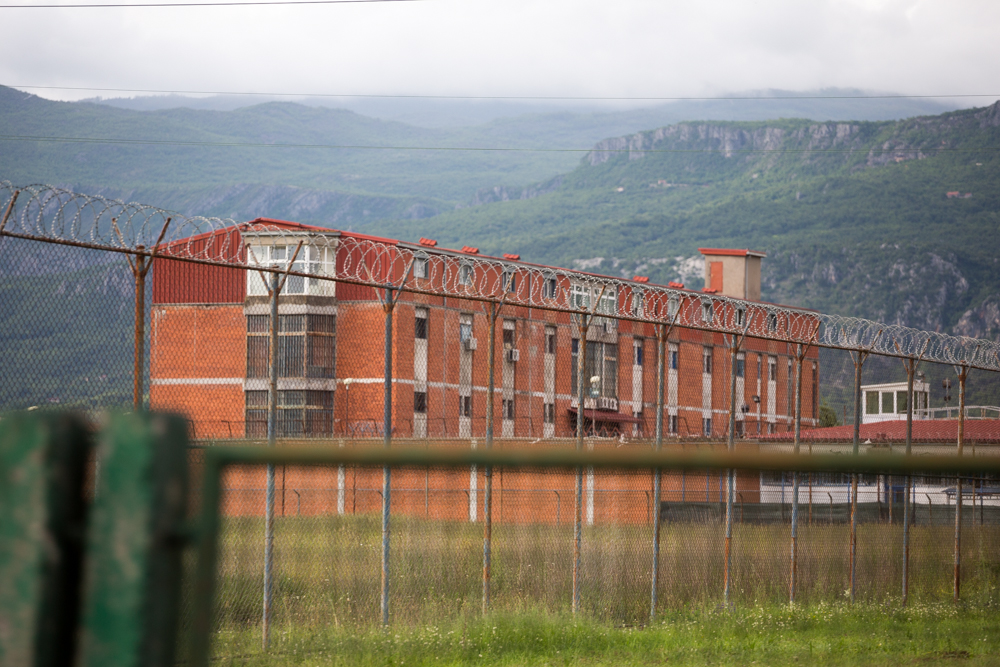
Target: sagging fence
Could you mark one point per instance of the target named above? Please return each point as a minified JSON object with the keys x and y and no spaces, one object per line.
{"x":282,"y":334}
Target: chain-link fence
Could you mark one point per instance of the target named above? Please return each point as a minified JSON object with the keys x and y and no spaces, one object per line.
{"x":279,"y":334}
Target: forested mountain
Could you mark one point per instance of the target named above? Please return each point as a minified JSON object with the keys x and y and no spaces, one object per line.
{"x":856,"y":217}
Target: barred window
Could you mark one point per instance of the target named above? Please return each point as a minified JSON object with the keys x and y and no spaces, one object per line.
{"x":420,"y":401}
{"x":306,"y":346}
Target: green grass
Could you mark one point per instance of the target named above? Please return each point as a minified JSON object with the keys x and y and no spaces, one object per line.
{"x":826,"y":634}
{"x":327,"y":584}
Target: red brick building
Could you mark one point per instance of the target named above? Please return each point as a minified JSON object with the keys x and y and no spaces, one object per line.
{"x":209,"y":351}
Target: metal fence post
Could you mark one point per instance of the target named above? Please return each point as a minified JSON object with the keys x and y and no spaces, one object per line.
{"x":388,"y":305}
{"x":272,"y":416}
{"x":858,"y":364}
{"x":488,"y":491}
{"x":911,"y":367}
{"x":794,"y":568}
{"x":661,"y":345}
{"x":731,"y":473}
{"x":963,"y":373}
{"x":581,"y":365}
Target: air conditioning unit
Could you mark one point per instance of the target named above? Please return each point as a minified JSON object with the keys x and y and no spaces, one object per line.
{"x":469,"y":344}
{"x":513,"y":356}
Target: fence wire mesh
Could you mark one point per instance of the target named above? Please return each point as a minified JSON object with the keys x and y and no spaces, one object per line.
{"x":272,"y":333}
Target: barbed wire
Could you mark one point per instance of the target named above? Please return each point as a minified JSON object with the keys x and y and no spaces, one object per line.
{"x":56,"y":215}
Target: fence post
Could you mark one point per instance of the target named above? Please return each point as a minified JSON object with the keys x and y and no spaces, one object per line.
{"x":488,"y":491}
{"x":731,"y":473}
{"x":963,"y":373}
{"x":858,"y":364}
{"x":135,"y":544}
{"x":43,"y":462}
{"x":388,"y":305}
{"x":911,"y":367}
{"x":657,"y":473}
{"x":272,"y":416}
{"x":581,"y":365}
{"x":793,"y":571}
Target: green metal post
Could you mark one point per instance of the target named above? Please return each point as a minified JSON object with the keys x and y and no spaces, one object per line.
{"x":134,"y":544}
{"x":42,"y":518}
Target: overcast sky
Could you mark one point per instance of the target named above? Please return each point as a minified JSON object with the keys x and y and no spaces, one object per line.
{"x":512,"y":47}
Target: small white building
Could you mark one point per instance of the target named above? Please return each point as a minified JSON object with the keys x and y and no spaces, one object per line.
{"x":887,"y":402}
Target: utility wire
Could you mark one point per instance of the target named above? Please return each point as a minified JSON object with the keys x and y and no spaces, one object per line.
{"x":200,"y":4}
{"x":496,"y":97}
{"x":502,"y":149}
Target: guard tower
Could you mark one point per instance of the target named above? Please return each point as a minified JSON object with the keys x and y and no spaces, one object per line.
{"x":734,"y":273}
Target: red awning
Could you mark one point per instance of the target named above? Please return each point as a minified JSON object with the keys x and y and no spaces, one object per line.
{"x":603,"y":416}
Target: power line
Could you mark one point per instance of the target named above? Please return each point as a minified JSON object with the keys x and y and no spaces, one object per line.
{"x":488,"y":97}
{"x":198,"y":4}
{"x":495,"y":149}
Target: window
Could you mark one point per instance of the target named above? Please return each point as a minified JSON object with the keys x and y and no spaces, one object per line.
{"x":509,"y":281}
{"x":579,"y":297}
{"x":706,"y":360}
{"x":306,"y":346}
{"x":420,"y":267}
{"x":901,"y":402}
{"x":815,"y":392}
{"x":602,"y":363}
{"x":674,"y":359}
{"x":300,"y":413}
{"x":772,"y":322}
{"x":673,"y":305}
{"x":871,"y":402}
{"x":549,"y":288}
{"x":790,"y":390}
{"x":772,"y":369}
{"x":887,"y":403}
{"x":672,"y":424}
{"x":464,"y":406}
{"x":311,"y":259}
{"x":637,"y":302}
{"x":706,"y":426}
{"x":420,"y":324}
{"x":550,"y":340}
{"x":638,"y":354}
{"x":508,"y":408}
{"x":740,"y":313}
{"x":508,"y":334}
{"x":770,"y":428}
{"x":759,"y":359}
{"x":420,"y":401}
{"x":465,"y":330}
{"x":740,"y":366}
{"x":549,"y":413}
{"x":707,"y":312}
{"x":465,"y":274}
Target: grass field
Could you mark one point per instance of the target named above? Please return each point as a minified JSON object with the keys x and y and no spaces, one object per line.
{"x":327,"y":584}
{"x":824,"y":634}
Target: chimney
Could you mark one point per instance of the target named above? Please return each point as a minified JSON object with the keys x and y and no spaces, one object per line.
{"x":734,"y":273}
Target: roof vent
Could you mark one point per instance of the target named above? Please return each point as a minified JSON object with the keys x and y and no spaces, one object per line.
{"x":428,"y":242}
{"x":709,"y":290}
{"x":675,"y":285}
{"x":470,"y":250}
{"x":513,"y":258}
{"x":641,"y":279}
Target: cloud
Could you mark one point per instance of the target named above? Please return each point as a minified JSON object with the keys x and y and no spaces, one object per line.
{"x":514,"y":47}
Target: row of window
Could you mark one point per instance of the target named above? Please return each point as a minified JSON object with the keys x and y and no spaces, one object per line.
{"x":465,"y":407}
{"x":300,"y":413}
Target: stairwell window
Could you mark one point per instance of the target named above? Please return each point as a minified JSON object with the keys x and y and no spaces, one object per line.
{"x":706,"y":360}
{"x":508,"y":408}
{"x":550,"y":340}
{"x":549,"y":413}
{"x":421,"y":268}
{"x":420,"y":402}
{"x":420,"y":324}
{"x":464,"y":406}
